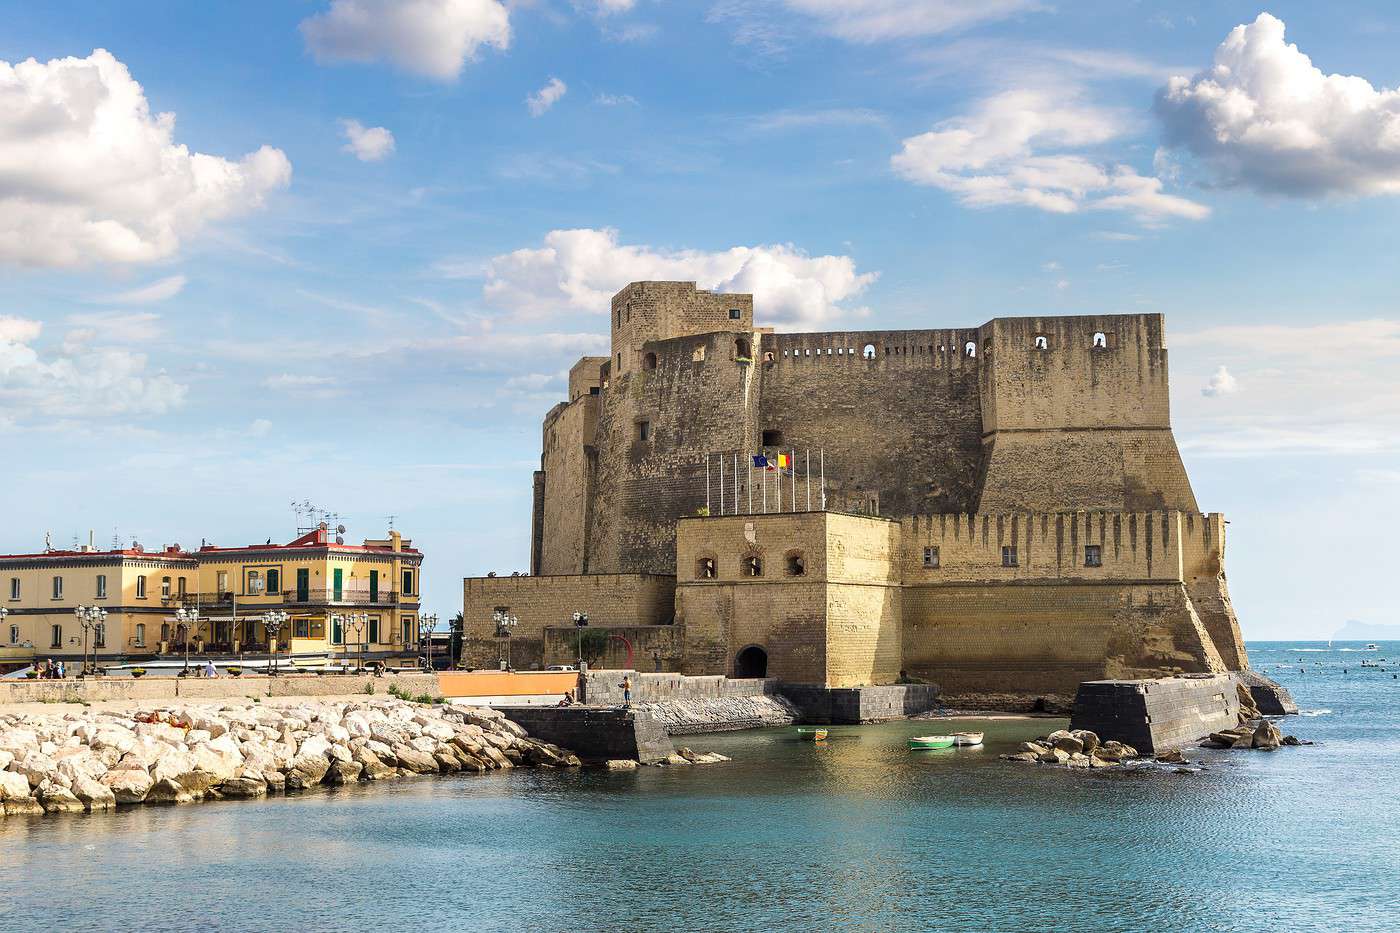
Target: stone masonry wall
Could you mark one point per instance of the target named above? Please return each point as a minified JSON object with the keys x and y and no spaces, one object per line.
{"x":540,"y":602}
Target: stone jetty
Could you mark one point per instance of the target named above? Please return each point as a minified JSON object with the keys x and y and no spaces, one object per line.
{"x":97,"y":760}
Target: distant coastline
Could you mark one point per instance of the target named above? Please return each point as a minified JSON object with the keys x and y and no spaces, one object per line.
{"x":1355,"y":630}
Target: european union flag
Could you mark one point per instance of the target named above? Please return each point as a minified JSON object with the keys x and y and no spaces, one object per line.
{"x":760,"y":461}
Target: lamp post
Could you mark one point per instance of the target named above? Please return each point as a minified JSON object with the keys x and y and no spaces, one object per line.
{"x":426,"y":625}
{"x":188,"y":619}
{"x":89,"y":618}
{"x":356,"y":622}
{"x":505,"y":623}
{"x":273,"y":620}
{"x":580,"y":623}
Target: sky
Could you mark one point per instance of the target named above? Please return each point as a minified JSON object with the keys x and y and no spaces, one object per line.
{"x":345,"y":251}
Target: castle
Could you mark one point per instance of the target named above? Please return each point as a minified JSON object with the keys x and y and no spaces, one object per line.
{"x":1001,"y":509}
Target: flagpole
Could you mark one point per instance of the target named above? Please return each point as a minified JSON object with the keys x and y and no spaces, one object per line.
{"x":821,"y":455}
{"x":707,"y":484}
{"x":792,"y":462}
{"x":748,"y":481}
{"x":808,"y":455}
{"x":721,"y":484}
{"x":778,"y":486}
{"x":736,"y":483}
{"x":763,"y":478}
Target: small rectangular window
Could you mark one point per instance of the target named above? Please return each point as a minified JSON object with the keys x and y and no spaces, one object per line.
{"x":1093,"y":555}
{"x":141,"y":587}
{"x":140,"y":634}
{"x":14,"y":587}
{"x":1008,"y":556}
{"x":221,"y":583}
{"x":99,"y":636}
{"x":931,"y":557}
{"x":14,"y":634}
{"x":57,"y":587}
{"x":735,"y":314}
{"x":164,"y":587}
{"x":408,"y":582}
{"x":101,"y":586}
{"x":643,"y":430}
{"x":180,"y":586}
{"x":56,"y":634}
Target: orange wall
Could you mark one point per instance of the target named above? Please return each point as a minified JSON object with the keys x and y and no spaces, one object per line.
{"x":505,"y":683}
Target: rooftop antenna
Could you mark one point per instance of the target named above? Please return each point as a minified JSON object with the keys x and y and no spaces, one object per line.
{"x":392,"y":519}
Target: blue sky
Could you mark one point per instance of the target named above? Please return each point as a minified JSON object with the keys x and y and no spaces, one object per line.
{"x":358,"y":264}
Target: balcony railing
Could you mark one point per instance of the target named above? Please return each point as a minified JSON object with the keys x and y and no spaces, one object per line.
{"x":314,"y":596}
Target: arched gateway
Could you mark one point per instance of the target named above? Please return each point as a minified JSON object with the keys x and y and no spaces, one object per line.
{"x":751,"y":662}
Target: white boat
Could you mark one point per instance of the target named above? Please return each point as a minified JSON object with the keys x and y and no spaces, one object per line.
{"x":967,"y":739}
{"x":1373,"y":647}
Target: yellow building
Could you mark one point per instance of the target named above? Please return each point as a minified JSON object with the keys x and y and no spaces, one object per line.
{"x":340,"y":600}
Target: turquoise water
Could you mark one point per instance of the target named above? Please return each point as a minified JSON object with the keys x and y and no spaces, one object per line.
{"x":858,"y":834}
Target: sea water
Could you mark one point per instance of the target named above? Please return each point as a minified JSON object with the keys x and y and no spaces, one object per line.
{"x":856,"y":833}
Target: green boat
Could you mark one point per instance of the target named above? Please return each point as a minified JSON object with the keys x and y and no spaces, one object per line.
{"x":922,"y":742}
{"x":811,"y":734}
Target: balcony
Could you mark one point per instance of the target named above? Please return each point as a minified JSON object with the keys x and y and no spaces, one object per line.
{"x":313,"y":596}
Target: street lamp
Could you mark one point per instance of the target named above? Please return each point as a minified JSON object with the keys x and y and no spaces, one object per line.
{"x":89,"y":618}
{"x":505,"y":623}
{"x":426,"y":625}
{"x":273,"y":620}
{"x":355,"y":622}
{"x":188,"y":619}
{"x":580,"y":623}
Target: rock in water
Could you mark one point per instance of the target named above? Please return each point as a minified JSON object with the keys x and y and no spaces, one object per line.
{"x":1267,"y":736}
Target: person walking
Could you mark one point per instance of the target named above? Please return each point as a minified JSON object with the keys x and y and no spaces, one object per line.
{"x":210,"y":670}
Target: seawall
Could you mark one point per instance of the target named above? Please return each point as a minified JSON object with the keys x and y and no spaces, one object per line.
{"x":201,"y":688}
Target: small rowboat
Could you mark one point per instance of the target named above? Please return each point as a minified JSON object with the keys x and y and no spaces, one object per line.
{"x":921,"y":742}
{"x":811,"y":734}
{"x":966,"y":739}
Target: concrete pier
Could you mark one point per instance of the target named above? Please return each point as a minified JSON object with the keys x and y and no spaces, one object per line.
{"x":596,"y":734}
{"x":1155,"y":715}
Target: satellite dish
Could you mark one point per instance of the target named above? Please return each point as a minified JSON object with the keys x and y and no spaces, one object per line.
{"x":340,"y":529}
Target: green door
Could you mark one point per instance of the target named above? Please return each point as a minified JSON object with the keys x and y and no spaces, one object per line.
{"x":303,"y":585}
{"x":374,"y":630}
{"x":374,"y":586}
{"x":338,"y":585}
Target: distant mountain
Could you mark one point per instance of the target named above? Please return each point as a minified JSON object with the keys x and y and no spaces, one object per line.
{"x":1356,"y":630}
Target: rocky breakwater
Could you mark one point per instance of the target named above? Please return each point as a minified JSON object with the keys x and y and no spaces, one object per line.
{"x":1253,"y":731}
{"x":98,"y":760}
{"x":1080,"y":748}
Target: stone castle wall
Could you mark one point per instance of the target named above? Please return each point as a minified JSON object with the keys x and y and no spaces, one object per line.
{"x":541,"y":602}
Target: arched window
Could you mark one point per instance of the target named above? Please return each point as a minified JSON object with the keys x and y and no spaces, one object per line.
{"x":649,"y":361}
{"x":742,"y":350}
{"x":795,"y":564}
{"x":752,"y":565}
{"x":869,"y":351}
{"x":768,"y":356}
{"x":1100,"y":341}
{"x":1042,"y":342}
{"x":970,"y":348}
{"x":705,"y":568}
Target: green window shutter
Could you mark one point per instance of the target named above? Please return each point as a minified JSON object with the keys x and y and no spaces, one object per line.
{"x":339,"y":584}
{"x":374,"y":586}
{"x":303,"y":585}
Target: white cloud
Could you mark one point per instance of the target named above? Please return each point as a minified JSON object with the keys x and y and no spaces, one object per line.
{"x":582,"y":269}
{"x":546,"y":97}
{"x":877,"y":20}
{"x":89,"y":174}
{"x":615,"y":100}
{"x":803,"y":119}
{"x":113,"y":327}
{"x":297,"y":382}
{"x":1012,"y":150}
{"x":1315,"y":389}
{"x":1221,"y":383}
{"x":260,"y":427}
{"x":433,"y":38}
{"x":609,"y":7}
{"x":368,"y":144}
{"x":159,"y":290}
{"x":1264,"y":117}
{"x":88,"y":383}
